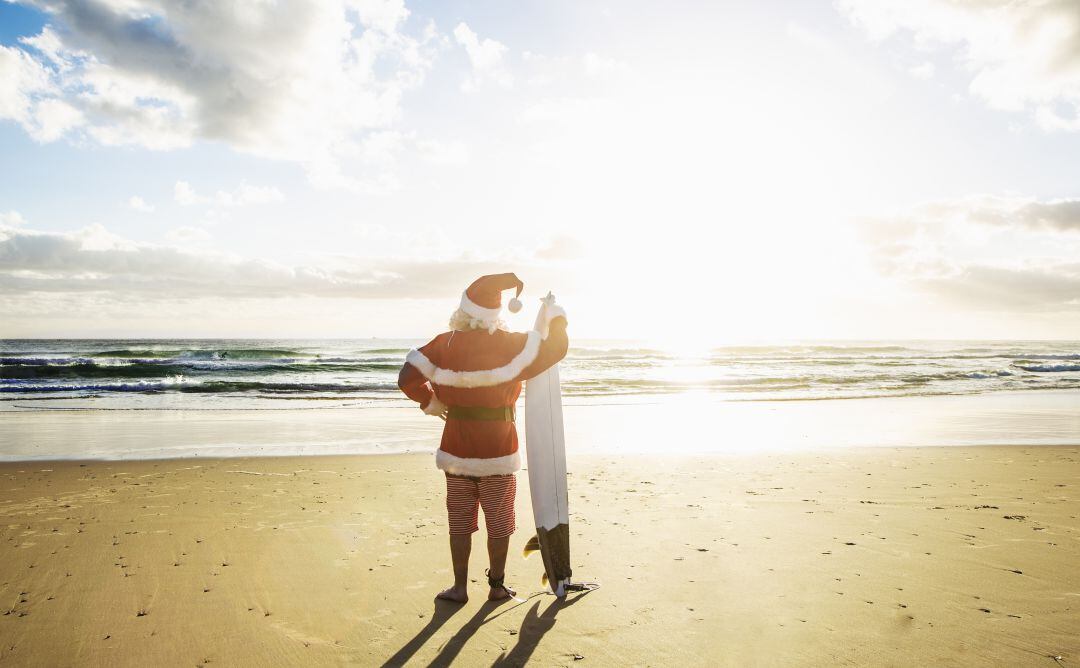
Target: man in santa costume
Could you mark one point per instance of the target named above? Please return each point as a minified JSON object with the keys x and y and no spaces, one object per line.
{"x":471,"y":377}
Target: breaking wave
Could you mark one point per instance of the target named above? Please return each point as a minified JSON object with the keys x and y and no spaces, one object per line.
{"x":111,"y":370}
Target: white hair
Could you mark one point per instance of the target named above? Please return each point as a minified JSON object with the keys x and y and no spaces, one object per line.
{"x":461,"y":321}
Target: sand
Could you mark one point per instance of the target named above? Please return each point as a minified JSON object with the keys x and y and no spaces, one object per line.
{"x":871,"y":556}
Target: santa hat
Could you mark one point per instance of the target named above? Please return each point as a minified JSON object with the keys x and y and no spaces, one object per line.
{"x":483,"y":299}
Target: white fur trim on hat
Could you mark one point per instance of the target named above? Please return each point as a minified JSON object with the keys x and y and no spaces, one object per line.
{"x":483,"y":377}
{"x":475,"y":466}
{"x":477,"y":311}
{"x":435,"y":407}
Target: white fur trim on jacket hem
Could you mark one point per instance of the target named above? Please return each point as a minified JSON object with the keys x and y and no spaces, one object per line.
{"x":435,"y":407}
{"x":445,"y":461}
{"x":477,"y":311}
{"x":483,"y":377}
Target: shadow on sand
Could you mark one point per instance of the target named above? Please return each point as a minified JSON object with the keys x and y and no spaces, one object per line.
{"x":533,"y":628}
{"x":444,"y":610}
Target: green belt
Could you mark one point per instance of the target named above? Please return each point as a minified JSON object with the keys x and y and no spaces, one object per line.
{"x":500,"y":414}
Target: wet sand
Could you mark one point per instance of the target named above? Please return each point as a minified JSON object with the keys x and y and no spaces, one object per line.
{"x":682,"y":424}
{"x":872,"y":556}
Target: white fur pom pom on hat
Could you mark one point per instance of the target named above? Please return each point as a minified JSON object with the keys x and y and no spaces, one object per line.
{"x":515,"y":305}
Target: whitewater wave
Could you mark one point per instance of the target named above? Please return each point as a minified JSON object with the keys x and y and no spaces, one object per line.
{"x":1047,"y":368}
{"x":180,"y":384}
{"x":201,"y":353}
{"x":37,"y":367}
{"x":294,"y":369}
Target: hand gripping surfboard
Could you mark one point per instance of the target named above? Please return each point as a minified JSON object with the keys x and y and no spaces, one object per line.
{"x":546,"y":451}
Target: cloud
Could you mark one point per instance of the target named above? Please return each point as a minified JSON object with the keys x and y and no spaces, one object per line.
{"x":139,"y":204}
{"x":52,"y":119}
{"x":1060,"y":215}
{"x":93,"y":260}
{"x":243,"y":195}
{"x":1050,"y":288}
{"x":384,"y":15}
{"x":296,"y":80}
{"x":184,"y":194}
{"x":11,"y":218}
{"x":21,"y":77}
{"x":486,"y":58}
{"x":1021,"y":55}
{"x":984,"y":251}
{"x":562,"y":248}
{"x":25,"y":89}
{"x":187,"y":234}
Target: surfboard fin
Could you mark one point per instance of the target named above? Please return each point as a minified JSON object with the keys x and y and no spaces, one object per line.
{"x":532,"y":546}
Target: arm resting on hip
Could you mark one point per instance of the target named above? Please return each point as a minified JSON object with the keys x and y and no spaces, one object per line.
{"x":417,"y":388}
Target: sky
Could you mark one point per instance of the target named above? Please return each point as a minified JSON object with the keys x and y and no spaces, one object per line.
{"x":694,"y":173}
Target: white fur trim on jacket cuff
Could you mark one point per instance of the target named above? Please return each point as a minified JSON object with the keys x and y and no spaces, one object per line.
{"x":445,"y":461}
{"x":483,"y":377}
{"x":551,"y":311}
{"x":434,"y":407}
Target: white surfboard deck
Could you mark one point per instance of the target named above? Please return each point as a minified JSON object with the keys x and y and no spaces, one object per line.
{"x":545,"y":448}
{"x":545,"y":443}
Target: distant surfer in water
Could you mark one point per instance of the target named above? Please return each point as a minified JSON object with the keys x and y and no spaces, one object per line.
{"x":471,"y":377}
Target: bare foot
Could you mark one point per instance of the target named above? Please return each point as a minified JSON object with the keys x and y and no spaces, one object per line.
{"x":453,"y":594}
{"x":500,"y":593}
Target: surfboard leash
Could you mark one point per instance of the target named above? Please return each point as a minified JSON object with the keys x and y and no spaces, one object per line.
{"x":498,"y":583}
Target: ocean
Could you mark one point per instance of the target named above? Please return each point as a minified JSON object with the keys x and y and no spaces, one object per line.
{"x":268,"y":374}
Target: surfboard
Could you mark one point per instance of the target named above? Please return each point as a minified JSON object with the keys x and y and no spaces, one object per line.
{"x":545,"y":449}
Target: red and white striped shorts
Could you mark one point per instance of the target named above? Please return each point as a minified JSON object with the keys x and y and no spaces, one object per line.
{"x":494,"y":492}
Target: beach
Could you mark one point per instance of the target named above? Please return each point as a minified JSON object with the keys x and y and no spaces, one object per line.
{"x":277,"y":503}
{"x":854,"y":556}
{"x":780,"y":299}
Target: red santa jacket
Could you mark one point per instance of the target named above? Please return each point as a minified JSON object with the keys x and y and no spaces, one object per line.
{"x":479,"y":368}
